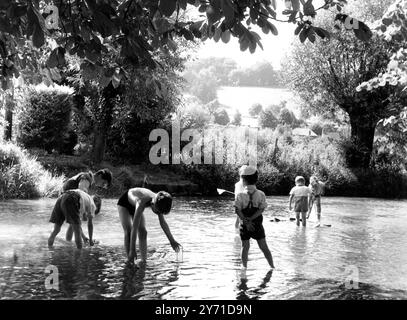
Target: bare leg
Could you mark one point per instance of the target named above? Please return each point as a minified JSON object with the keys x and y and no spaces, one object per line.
{"x":54,"y":233}
{"x":142,"y":234}
{"x":69,"y":233}
{"x":125,"y":220}
{"x":78,"y":235}
{"x":245,"y":252}
{"x":267,"y":254}
{"x":319,"y":210}
{"x":297,"y":216}
{"x":304,"y":218}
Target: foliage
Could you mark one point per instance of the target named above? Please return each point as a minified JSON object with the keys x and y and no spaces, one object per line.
{"x":255,"y":109}
{"x":268,"y":119}
{"x":45,"y":119}
{"x":237,"y":118}
{"x":89,"y":29}
{"x":287,"y":117}
{"x":21,"y":176}
{"x":279,"y":163}
{"x":204,"y":86}
{"x":261,"y":74}
{"x":327,"y":74}
{"x":221,"y":117}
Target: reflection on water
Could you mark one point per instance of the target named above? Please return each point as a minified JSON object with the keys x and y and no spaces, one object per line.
{"x":312,"y":263}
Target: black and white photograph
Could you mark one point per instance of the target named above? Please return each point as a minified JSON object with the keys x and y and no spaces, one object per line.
{"x":220,"y":151}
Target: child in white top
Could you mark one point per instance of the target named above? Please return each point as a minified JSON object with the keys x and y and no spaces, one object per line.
{"x":301,"y":196}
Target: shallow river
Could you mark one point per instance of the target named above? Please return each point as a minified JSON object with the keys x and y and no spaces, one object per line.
{"x":362,"y":255}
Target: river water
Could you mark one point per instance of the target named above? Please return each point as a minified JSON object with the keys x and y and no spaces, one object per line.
{"x":361,"y":256}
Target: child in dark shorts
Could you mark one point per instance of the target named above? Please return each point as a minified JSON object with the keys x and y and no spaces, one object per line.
{"x":300,"y":195}
{"x":250,"y":204}
{"x":73,"y":206}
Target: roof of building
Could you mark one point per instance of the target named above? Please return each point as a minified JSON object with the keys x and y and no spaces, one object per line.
{"x":305,"y":132}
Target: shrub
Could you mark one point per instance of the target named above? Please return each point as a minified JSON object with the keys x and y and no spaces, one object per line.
{"x":45,"y":119}
{"x":221,"y":117}
{"x":255,"y":109}
{"x":22,"y":176}
{"x":267,"y":119}
{"x":237,"y":118}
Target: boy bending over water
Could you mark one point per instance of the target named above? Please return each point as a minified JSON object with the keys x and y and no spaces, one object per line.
{"x":131,"y":207}
{"x":250,"y":204}
{"x":74,"y":206}
{"x":301,"y":195}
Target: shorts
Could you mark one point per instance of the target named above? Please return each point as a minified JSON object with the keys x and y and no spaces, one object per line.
{"x":67,"y":208}
{"x":124,"y":202}
{"x":301,"y":204}
{"x":258,"y":232}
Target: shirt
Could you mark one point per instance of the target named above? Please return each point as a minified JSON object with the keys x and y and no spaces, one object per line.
{"x":317,"y":189}
{"x":87,"y":205}
{"x":258,"y":199}
{"x":239,"y":188}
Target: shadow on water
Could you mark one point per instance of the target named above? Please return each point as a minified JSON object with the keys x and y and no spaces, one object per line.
{"x":247,"y":293}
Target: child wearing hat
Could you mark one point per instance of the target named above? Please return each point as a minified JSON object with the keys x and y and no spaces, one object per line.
{"x":250,"y":204}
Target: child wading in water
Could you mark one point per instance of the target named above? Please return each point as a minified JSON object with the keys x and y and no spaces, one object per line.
{"x":74,"y":206}
{"x":317,"y":190}
{"x":131,"y":207}
{"x":250,"y":204}
{"x":85,"y":181}
{"x":301,"y":195}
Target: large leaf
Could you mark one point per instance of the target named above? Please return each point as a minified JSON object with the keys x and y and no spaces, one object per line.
{"x":38,"y":37}
{"x":167,"y":7}
{"x":213,"y":13}
{"x":363,"y":32}
{"x":225,"y":36}
{"x":296,"y":5}
{"x":228,"y":10}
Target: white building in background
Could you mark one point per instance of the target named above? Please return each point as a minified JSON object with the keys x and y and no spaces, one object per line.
{"x":304,"y":132}
{"x":251,"y":122}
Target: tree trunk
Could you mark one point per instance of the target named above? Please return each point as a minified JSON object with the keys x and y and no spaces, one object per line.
{"x":362,"y":134}
{"x":9,"y":107}
{"x":102,"y":128}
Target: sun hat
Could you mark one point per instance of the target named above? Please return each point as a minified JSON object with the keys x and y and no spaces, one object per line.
{"x":247,"y":170}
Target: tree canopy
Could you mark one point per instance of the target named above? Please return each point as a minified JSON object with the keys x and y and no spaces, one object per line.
{"x":134,"y":30}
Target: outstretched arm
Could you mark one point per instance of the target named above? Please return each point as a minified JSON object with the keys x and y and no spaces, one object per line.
{"x":174,"y":244}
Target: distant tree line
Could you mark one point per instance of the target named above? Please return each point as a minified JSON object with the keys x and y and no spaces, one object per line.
{"x":205,"y":76}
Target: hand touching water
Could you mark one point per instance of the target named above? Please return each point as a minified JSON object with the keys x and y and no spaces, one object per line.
{"x":175,"y":245}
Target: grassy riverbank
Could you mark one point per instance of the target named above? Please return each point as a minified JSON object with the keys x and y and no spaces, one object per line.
{"x":23,"y":177}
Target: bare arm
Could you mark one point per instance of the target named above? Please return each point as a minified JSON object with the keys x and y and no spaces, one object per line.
{"x":256,"y":215}
{"x":290,"y":205}
{"x":174,"y":244}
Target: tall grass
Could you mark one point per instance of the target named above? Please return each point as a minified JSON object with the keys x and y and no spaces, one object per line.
{"x":23,"y":177}
{"x":279,"y":163}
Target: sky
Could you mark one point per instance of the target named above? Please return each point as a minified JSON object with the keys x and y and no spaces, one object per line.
{"x":275,"y":47}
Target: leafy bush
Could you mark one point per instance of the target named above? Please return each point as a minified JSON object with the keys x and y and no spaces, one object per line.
{"x":267,"y":119}
{"x":237,"y":118}
{"x":221,"y":117}
{"x":278,"y":167}
{"x":255,"y":109}
{"x":22,"y":176}
{"x":45,"y":119}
